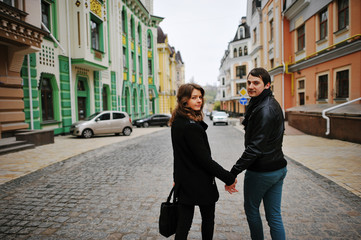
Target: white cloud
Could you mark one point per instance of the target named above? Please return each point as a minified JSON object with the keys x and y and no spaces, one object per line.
{"x":201,"y":31}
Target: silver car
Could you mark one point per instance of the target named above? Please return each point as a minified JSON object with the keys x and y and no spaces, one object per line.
{"x":103,"y":123}
{"x":220,"y":117}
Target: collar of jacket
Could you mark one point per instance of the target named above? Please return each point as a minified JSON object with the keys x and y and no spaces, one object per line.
{"x":202,"y":123}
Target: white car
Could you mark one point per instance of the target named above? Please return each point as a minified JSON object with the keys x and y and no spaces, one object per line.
{"x":220,"y":117}
{"x":103,"y":123}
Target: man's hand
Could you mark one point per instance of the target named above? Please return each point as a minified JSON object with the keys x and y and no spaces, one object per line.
{"x":232,"y":188}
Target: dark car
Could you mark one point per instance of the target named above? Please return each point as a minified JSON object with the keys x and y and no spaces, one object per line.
{"x":153,"y":120}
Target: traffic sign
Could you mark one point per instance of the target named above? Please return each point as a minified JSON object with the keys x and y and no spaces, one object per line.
{"x":243,"y":101}
{"x":242,"y":92}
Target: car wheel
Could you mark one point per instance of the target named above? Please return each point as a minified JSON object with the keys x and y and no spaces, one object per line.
{"x":226,"y":123}
{"x":127,"y":131}
{"x":87,"y":133}
{"x":214,"y":124}
{"x":146,"y":124}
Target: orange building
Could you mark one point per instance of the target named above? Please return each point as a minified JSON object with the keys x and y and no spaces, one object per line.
{"x":321,"y":49}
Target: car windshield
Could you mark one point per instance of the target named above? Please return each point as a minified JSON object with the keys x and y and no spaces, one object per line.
{"x":92,"y":116}
{"x":220,"y":114}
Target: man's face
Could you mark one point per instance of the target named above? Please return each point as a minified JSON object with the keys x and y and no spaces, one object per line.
{"x":255,"y":86}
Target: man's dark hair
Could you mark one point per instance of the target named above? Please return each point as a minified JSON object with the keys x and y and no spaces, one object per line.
{"x":261,"y":73}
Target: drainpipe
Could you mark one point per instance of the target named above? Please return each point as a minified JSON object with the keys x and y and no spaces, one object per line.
{"x":70,"y":71}
{"x":30,"y":96}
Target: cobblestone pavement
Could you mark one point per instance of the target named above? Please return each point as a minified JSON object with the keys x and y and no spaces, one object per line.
{"x":114,"y":192}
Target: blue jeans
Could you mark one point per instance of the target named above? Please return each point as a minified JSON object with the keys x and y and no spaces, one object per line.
{"x":266,"y":186}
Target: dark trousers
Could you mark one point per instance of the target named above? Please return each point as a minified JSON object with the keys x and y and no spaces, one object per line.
{"x":185,"y":218}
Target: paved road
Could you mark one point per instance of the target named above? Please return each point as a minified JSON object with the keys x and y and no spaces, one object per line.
{"x":115,"y":192}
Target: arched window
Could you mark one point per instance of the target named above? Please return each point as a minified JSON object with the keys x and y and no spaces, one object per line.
{"x":139,"y":34}
{"x":132,"y":28}
{"x":149,"y":41}
{"x":124,"y":22}
{"x":240,"y":52}
{"x":245,"y":50}
{"x":235,"y":52}
{"x":47,"y":105}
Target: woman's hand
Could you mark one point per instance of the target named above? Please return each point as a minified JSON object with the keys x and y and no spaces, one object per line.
{"x":232,"y":188}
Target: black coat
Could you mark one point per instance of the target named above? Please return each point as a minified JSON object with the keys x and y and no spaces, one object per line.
{"x":194,"y":168}
{"x":264,"y":136}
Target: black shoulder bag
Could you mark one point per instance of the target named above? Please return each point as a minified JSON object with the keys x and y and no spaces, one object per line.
{"x":168,"y":216}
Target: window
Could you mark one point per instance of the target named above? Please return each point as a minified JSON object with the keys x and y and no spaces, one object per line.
{"x":45,"y":14}
{"x":9,"y":2}
{"x":132,"y":65}
{"x":223,"y":94}
{"x":240,"y":71}
{"x":105,"y":116}
{"x":235,"y":52}
{"x":240,"y":52}
{"x":342,"y":84}
{"x":254,"y":35}
{"x":245,"y":50}
{"x":272,"y":63}
{"x":118,"y":115}
{"x":150,"y":69}
{"x":342,"y":14}
{"x":47,"y":100}
{"x":255,"y":63}
{"x":323,"y":24}
{"x":301,"y":38}
{"x":223,"y":81}
{"x":139,"y":34}
{"x":132,"y":29}
{"x":96,"y":33}
{"x":241,"y":32}
{"x":124,"y":23}
{"x":124,"y":57}
{"x":322,"y":87}
{"x":301,"y":84}
{"x":271,"y":30}
{"x":149,"y":42}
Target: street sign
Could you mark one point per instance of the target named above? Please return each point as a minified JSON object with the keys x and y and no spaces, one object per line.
{"x":243,"y":101}
{"x":242,"y":92}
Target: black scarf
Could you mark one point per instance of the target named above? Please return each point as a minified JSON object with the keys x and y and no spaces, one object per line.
{"x":253,"y":103}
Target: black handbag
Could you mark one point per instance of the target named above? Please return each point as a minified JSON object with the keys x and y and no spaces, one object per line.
{"x":168,"y":216}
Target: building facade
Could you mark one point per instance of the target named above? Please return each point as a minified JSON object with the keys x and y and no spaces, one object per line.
{"x":312,"y":50}
{"x":20,"y":35}
{"x":98,"y":55}
{"x":235,"y":64}
{"x":170,"y":69}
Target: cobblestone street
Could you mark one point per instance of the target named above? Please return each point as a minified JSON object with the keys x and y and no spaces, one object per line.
{"x":115,"y":192}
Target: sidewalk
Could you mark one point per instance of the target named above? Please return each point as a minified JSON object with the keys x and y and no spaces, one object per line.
{"x":336,"y":160}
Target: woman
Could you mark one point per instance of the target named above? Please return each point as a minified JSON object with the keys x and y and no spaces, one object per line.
{"x":194,"y":168}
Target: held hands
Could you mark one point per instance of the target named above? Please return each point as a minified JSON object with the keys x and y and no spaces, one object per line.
{"x":232,"y":188}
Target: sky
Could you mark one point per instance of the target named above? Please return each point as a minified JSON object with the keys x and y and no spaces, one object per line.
{"x":201,"y":31}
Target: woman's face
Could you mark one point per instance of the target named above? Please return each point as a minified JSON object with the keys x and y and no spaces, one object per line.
{"x":195,"y":102}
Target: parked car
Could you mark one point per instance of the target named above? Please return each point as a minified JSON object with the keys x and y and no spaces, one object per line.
{"x":220,"y":117}
{"x":152,"y":120}
{"x":211,"y":114}
{"x":103,"y":123}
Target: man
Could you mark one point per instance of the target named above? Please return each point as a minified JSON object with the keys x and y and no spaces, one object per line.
{"x":263,"y":157}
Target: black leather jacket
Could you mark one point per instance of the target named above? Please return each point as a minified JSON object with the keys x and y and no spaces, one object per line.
{"x":263,"y":138}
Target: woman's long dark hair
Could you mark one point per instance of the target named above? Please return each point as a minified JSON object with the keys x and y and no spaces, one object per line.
{"x":183,"y":95}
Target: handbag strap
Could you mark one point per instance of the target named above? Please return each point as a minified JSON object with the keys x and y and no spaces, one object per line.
{"x":170,"y":195}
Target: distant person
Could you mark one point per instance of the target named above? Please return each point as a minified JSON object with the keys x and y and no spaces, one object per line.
{"x":194,"y":168}
{"x":263,"y":157}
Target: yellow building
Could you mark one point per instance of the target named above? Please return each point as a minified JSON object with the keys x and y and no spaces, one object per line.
{"x":167,"y":74}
